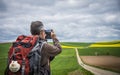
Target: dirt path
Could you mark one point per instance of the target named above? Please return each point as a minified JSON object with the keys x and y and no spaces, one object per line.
{"x":95,"y":71}
{"x":109,"y":62}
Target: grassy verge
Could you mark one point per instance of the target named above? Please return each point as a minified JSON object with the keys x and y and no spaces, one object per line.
{"x":66,"y":64}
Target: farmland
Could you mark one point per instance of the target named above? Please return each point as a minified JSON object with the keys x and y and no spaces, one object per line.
{"x":63,"y":64}
{"x":66,"y":62}
{"x":91,"y":53}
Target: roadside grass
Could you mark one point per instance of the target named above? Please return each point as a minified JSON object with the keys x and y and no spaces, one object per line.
{"x":66,"y":64}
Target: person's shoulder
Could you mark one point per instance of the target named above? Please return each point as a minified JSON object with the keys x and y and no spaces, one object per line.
{"x":46,"y":44}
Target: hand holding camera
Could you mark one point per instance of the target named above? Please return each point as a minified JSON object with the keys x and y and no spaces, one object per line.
{"x":50,"y":34}
{"x":53,"y":35}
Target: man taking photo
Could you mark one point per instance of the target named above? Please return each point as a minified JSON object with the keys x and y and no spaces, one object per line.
{"x":48,"y":51}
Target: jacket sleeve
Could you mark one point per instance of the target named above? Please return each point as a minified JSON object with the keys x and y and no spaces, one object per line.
{"x":53,"y":50}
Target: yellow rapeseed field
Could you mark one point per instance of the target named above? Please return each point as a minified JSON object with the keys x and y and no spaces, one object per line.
{"x":105,"y":45}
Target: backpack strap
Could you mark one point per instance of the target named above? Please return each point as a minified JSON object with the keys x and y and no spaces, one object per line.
{"x":23,"y":67}
{"x":39,"y":64}
{"x":35,"y":57}
{"x":38,"y":67}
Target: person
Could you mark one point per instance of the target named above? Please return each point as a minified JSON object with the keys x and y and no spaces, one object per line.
{"x":48,"y":51}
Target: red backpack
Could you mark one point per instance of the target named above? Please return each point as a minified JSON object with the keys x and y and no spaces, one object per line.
{"x":18,"y":61}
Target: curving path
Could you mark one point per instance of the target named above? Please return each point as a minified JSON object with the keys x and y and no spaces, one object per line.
{"x":94,"y":70}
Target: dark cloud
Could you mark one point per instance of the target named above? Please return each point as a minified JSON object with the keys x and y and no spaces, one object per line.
{"x":3,"y":7}
{"x":36,"y":2}
{"x":73,"y":20}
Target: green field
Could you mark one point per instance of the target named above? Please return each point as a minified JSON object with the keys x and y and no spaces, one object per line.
{"x":76,"y":44}
{"x":66,"y":62}
{"x":87,"y":50}
{"x":113,"y":51}
{"x":63,"y":64}
{"x":3,"y":56}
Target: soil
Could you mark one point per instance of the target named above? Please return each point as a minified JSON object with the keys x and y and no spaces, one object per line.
{"x":108,"y":62}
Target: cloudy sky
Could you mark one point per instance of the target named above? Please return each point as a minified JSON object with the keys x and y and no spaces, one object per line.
{"x":72,"y":20}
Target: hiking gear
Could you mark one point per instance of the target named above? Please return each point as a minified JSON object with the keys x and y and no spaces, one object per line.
{"x":24,"y":56}
{"x":14,"y":66}
{"x":35,"y":59}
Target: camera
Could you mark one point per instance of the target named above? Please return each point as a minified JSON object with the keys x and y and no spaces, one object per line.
{"x":48,"y":33}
